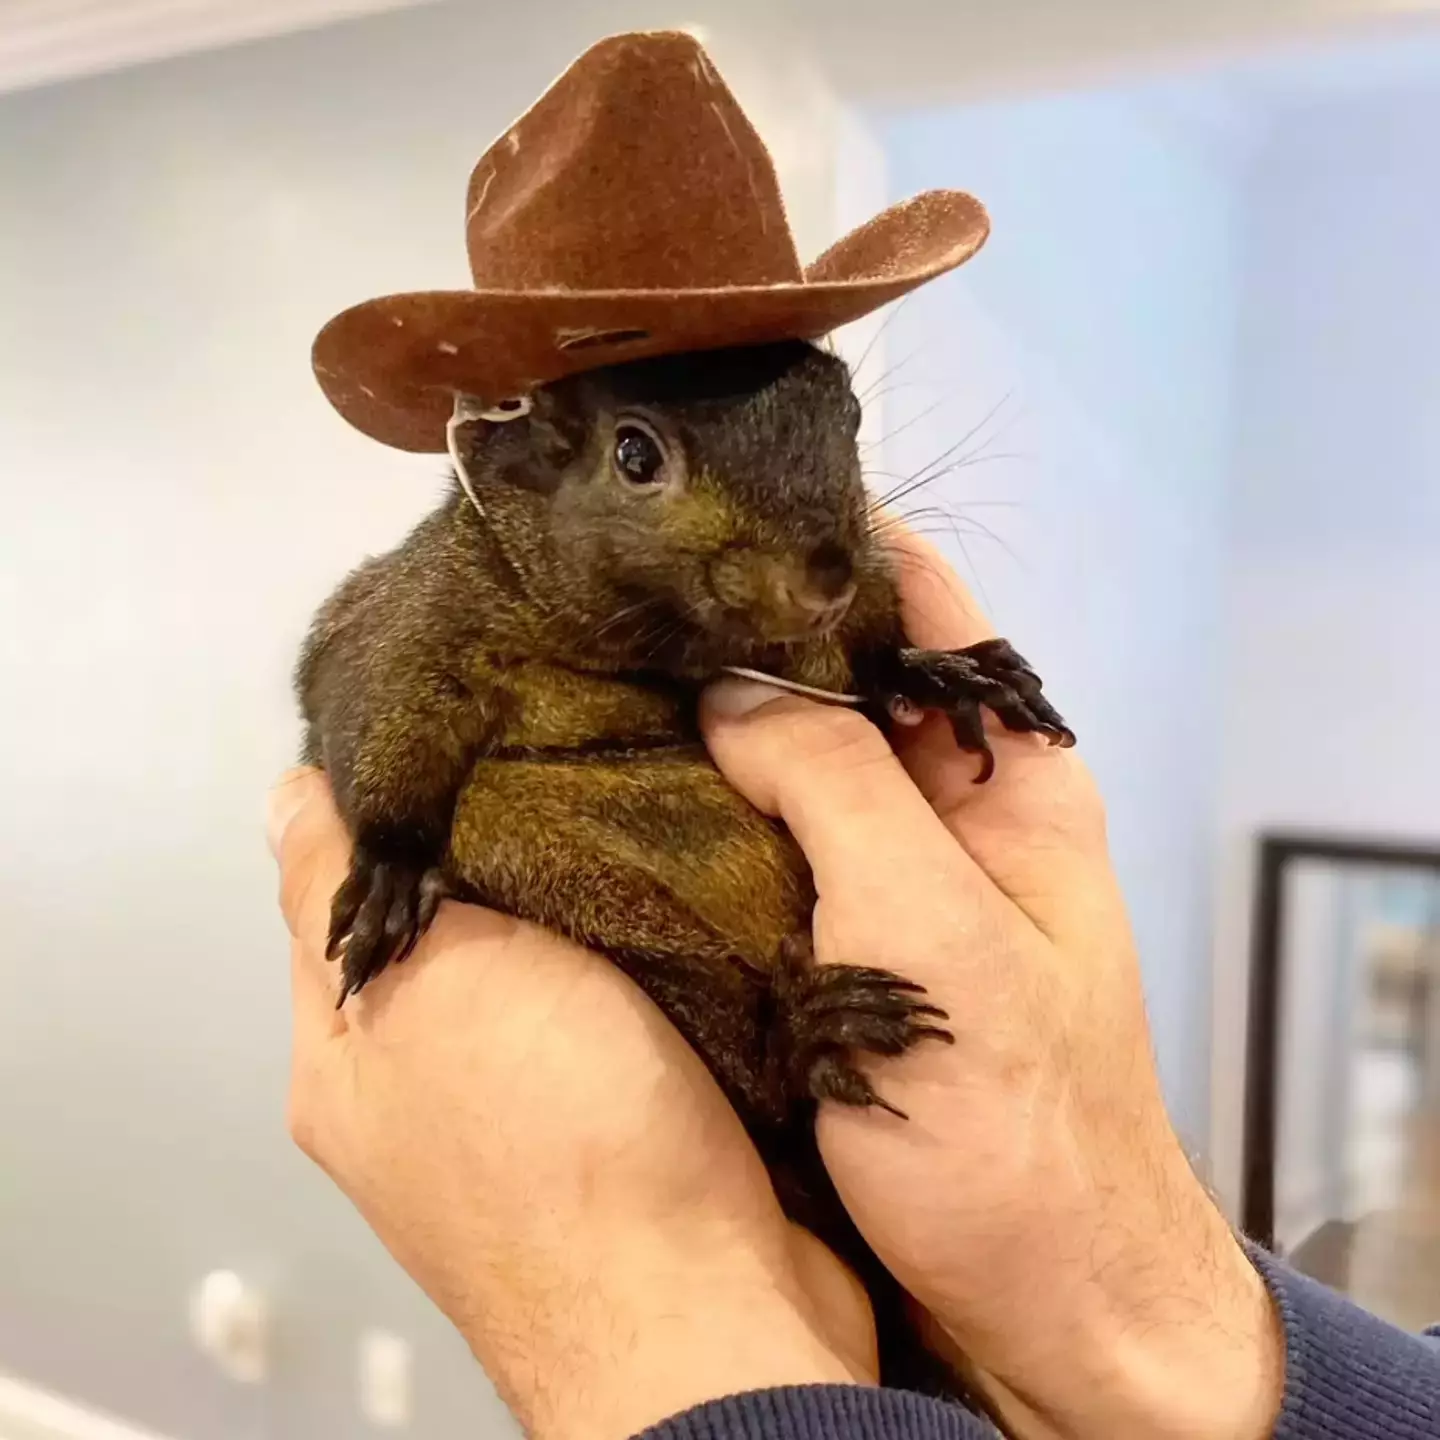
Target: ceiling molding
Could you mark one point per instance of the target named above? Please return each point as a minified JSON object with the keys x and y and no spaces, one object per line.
{"x":43,"y":41}
{"x":906,"y":52}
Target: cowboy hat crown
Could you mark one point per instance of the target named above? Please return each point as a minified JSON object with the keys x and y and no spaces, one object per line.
{"x":632,"y":211}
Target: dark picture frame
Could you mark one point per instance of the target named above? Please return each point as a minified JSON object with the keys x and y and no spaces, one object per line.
{"x":1275,"y":853}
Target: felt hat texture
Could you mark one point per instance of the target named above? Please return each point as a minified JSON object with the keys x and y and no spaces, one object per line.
{"x":631,"y":212}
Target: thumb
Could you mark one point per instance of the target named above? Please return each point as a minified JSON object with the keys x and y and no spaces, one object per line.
{"x":830,"y":775}
{"x":312,"y":849}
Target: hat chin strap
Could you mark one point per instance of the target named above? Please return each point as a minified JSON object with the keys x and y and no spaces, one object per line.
{"x":794,"y":687}
{"x":467,"y":409}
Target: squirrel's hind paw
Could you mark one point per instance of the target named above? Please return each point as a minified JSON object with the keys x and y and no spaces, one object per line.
{"x":828,"y":1015}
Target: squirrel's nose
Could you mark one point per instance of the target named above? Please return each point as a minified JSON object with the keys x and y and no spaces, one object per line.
{"x":825,"y":592}
{"x":829,"y":570}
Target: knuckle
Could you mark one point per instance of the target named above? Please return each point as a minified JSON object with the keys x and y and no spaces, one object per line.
{"x":311,"y":1121}
{"x":300,"y":1122}
{"x":1078,"y":806}
{"x":313,"y":847}
{"x":1062,"y":811}
{"x":842,"y":740}
{"x":297,"y":883}
{"x":310,"y":872}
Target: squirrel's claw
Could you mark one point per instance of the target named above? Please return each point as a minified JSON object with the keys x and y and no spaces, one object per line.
{"x":830,"y":1015}
{"x":963,"y":683}
{"x":379,"y":915}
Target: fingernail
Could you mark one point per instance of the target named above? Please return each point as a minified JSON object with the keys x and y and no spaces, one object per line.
{"x":730,"y":699}
{"x":284,"y":803}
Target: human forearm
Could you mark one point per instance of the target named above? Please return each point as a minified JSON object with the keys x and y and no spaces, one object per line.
{"x":1161,"y":1328}
{"x":649,"y":1337}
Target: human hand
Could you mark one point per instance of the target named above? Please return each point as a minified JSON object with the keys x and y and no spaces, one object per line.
{"x":551,"y":1162}
{"x":1037,"y":1201}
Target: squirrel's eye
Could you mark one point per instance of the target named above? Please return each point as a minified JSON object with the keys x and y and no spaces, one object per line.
{"x":638,"y":456}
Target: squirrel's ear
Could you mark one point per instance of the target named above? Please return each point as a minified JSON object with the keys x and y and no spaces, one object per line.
{"x":533,"y":450}
{"x":558,"y":430}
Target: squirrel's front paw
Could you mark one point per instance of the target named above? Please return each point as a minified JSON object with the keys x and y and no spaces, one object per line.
{"x":379,"y":914}
{"x":960,"y":682}
{"x":829,"y":1014}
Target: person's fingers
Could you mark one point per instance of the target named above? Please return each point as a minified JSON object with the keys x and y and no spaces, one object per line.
{"x":316,"y":1027}
{"x":1038,"y":821}
{"x":312,"y":849}
{"x":1037,"y":829}
{"x":285,"y":801}
{"x":833,"y":779}
{"x":310,"y":845}
{"x":938,"y":611}
{"x":1034,"y":788}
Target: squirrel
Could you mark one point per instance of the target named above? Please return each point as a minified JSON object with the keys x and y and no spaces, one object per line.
{"x":506,"y":707}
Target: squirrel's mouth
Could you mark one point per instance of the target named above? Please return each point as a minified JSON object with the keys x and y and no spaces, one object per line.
{"x":750,"y":628}
{"x":769,"y":599}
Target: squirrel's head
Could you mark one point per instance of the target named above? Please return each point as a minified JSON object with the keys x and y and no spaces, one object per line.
{"x":710,"y":503}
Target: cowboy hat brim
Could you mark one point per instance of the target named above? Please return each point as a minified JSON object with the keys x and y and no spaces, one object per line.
{"x":393,"y":366}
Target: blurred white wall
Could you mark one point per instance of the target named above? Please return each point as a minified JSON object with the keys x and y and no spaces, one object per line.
{"x":1332,"y":682}
{"x":177,"y":499}
{"x":1100,"y":321}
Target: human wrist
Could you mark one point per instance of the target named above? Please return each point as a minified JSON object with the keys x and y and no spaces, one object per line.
{"x":1166,"y":1330}
{"x":1195,"y":1350}
{"x":648,"y":1332}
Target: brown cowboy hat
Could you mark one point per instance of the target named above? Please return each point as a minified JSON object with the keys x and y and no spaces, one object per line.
{"x":632,"y":211}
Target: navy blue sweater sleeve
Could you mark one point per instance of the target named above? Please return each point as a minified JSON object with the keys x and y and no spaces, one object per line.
{"x":824,"y":1412}
{"x":1348,"y":1376}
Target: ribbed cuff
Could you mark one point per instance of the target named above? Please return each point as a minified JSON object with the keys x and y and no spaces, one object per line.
{"x":824,"y":1412}
{"x":1348,"y":1375}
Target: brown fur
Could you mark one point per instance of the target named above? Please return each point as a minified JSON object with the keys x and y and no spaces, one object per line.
{"x":506,"y":707}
